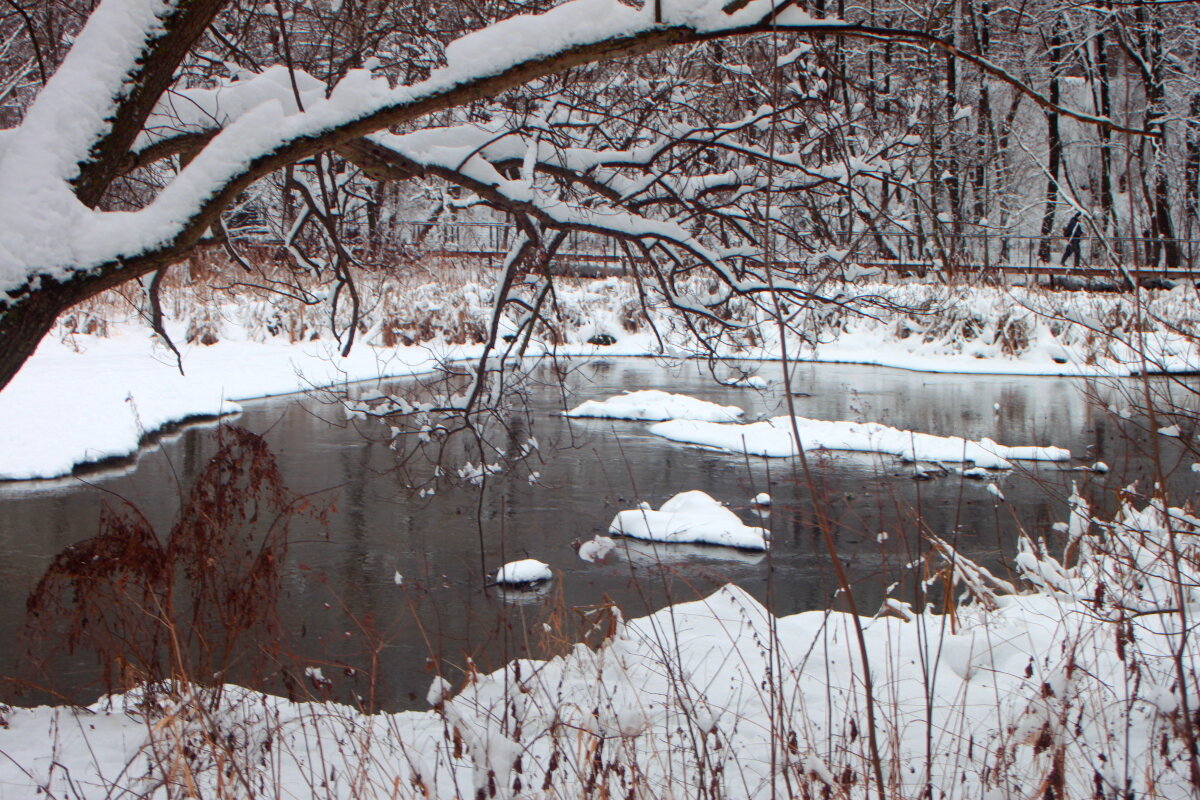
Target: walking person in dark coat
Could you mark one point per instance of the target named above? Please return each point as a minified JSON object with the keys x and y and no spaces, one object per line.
{"x":1073,"y":233}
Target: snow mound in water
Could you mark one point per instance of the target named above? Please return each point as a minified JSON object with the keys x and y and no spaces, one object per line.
{"x":652,"y":404}
{"x":773,"y":437}
{"x":689,"y":518}
{"x":597,"y":548}
{"x":528,"y":570}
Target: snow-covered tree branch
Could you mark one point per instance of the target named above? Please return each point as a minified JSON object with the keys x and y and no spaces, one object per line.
{"x":159,"y":89}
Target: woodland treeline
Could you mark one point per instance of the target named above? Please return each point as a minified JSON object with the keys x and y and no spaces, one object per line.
{"x":792,"y":137}
{"x":964,"y":151}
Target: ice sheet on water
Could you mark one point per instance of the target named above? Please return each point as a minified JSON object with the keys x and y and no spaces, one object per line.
{"x":774,"y":438}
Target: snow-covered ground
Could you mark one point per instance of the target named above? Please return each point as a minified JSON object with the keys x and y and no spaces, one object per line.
{"x":84,"y":397}
{"x":91,"y":398}
{"x":1075,"y":685}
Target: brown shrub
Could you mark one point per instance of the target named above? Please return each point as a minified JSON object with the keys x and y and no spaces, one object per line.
{"x":184,"y":607}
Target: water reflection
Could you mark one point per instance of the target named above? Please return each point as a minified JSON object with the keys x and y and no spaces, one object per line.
{"x":344,"y":608}
{"x":656,"y":554}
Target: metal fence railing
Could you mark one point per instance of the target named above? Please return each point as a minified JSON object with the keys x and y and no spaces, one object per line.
{"x":893,"y":249}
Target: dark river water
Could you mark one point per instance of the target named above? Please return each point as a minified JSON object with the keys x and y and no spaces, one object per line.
{"x":343,"y":610}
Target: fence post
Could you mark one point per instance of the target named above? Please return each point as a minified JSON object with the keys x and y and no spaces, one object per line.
{"x":1029,"y":273}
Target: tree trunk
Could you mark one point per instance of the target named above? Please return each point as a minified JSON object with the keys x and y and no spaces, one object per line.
{"x":983,"y":116}
{"x":1053,"y":144}
{"x":1164,"y":226}
{"x":1105,"y":108}
{"x":22,"y":330}
{"x":1192,"y":168}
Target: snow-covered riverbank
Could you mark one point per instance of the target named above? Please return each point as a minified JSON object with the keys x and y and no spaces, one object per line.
{"x":1083,"y":684}
{"x":96,"y":398}
{"x":85,"y":398}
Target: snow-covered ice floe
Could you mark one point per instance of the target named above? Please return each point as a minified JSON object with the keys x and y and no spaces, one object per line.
{"x":527,"y":571}
{"x":652,"y":404}
{"x":689,"y":518}
{"x":773,"y":438}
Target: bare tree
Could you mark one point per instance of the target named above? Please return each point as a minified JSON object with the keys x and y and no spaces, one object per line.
{"x":162,"y":116}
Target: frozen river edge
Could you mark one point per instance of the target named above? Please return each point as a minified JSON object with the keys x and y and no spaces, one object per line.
{"x":84,"y":398}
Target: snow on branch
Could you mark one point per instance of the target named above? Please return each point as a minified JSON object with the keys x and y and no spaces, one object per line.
{"x":111,"y":107}
{"x":51,"y":233}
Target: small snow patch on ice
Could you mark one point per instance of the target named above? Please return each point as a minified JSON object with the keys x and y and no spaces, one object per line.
{"x":750,"y":381}
{"x":318,"y":678}
{"x":1169,"y":430}
{"x":979,"y":473}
